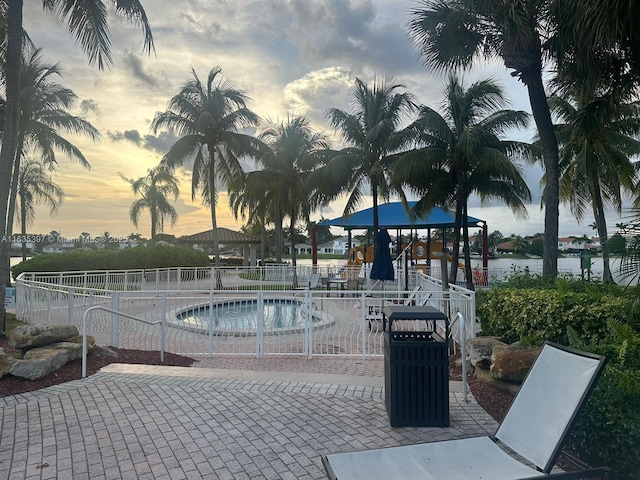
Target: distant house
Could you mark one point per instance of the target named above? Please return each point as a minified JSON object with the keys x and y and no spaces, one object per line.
{"x":301,"y":249}
{"x":58,"y":247}
{"x":338,"y":246}
{"x":567,"y":244}
{"x":505,"y":247}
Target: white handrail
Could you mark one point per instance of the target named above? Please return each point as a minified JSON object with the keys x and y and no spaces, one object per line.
{"x":85,"y":316}
{"x":463,"y":355}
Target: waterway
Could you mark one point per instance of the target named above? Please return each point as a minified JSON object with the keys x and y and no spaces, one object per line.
{"x":504,"y":265}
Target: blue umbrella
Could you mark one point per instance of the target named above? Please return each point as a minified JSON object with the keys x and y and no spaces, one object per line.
{"x":382,"y":268}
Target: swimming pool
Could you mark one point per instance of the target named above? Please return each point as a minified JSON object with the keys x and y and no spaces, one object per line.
{"x":282,"y":315}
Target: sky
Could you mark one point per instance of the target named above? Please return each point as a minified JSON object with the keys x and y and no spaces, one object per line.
{"x":290,"y":56}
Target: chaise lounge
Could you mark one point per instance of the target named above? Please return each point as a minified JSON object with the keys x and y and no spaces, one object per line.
{"x":525,"y":446}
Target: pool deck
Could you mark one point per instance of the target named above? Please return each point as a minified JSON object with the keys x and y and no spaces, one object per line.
{"x":231,"y":418}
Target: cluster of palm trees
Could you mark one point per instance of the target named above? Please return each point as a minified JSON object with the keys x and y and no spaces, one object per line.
{"x":391,"y":143}
{"x":87,"y":22}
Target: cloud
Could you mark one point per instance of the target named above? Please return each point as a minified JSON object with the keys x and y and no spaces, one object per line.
{"x":318,"y":90}
{"x":159,"y":144}
{"x":88,"y":106}
{"x":135,"y":67}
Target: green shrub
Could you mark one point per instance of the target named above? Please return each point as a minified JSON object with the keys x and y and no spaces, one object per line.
{"x":596,"y":318}
{"x":540,"y":315}
{"x":125,"y":259}
{"x":608,"y":431}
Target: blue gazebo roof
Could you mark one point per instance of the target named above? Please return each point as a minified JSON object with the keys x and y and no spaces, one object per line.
{"x":394,"y":215}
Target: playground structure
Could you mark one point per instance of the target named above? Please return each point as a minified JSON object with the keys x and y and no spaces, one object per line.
{"x":420,"y":254}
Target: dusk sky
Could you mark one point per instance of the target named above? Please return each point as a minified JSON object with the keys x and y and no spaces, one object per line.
{"x":290,"y":56}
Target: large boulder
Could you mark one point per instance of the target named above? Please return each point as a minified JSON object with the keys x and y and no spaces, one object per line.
{"x":33,"y":336}
{"x":510,"y":363}
{"x":6,"y":362}
{"x":479,"y":350}
{"x":40,"y":362}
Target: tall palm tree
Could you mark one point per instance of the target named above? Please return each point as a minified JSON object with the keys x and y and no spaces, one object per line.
{"x":87,"y":22}
{"x":598,"y":138}
{"x":375,"y":131}
{"x":43,"y":117}
{"x":209,"y":119}
{"x":454,"y":33}
{"x":464,"y":153}
{"x":35,"y":186}
{"x":154,"y":188}
{"x":287,"y":166}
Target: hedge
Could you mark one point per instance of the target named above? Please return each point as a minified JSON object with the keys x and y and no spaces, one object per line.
{"x":126,"y":259}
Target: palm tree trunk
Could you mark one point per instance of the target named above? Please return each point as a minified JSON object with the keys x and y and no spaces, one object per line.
{"x":277,"y":215}
{"x":9,"y":137}
{"x":214,"y":221}
{"x":374,"y":192}
{"x":457,"y":225}
{"x":262,"y":242}
{"x":154,"y":221}
{"x":465,"y":248}
{"x":601,"y":224}
{"x":23,"y":225}
{"x":292,"y":236}
{"x":542,"y":116}
{"x":13,"y":192}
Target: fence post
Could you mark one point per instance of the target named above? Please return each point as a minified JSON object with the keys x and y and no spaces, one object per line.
{"x":49,"y":297}
{"x":163,"y":326}
{"x":308,"y":337}
{"x":115,"y":320}
{"x":363,"y":324}
{"x":260,"y":324}
{"x":210,"y":324}
{"x":70,"y":297}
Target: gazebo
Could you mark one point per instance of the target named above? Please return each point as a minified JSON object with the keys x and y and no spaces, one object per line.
{"x":394,"y":215}
{"x":226,"y":237}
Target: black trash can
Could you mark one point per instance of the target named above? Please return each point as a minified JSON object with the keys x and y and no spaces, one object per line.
{"x":416,"y":376}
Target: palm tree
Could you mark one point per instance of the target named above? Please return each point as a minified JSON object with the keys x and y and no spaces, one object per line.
{"x":596,"y":136}
{"x":374,"y":134}
{"x":288,"y":165}
{"x":34,"y":187}
{"x":43,"y":116}
{"x":87,"y":22}
{"x":464,"y":153}
{"x":519,"y":245}
{"x":208,"y":118}
{"x":597,"y":43}
{"x":154,"y":188}
{"x":253,"y":197}
{"x":453,"y":33}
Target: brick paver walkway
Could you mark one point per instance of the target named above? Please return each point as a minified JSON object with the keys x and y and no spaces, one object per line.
{"x":172,"y":423}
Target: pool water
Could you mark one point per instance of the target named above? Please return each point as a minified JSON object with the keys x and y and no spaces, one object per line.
{"x":242,"y":315}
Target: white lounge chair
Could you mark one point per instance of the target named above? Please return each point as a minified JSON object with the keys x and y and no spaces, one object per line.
{"x":534,"y":429}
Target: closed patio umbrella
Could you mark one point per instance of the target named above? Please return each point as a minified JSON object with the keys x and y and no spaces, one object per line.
{"x":382,"y":268}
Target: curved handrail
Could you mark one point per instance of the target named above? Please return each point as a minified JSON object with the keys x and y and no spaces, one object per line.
{"x":85,"y":316}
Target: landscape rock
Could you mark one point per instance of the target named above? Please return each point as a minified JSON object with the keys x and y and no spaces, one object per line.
{"x":510,"y":363}
{"x":40,"y":362}
{"x":479,"y":350}
{"x":6,"y":362}
{"x":486,"y":377}
{"x":101,"y":351}
{"x":33,"y":336}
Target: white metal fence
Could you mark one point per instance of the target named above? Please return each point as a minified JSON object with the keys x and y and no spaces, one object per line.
{"x":185,"y":314}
